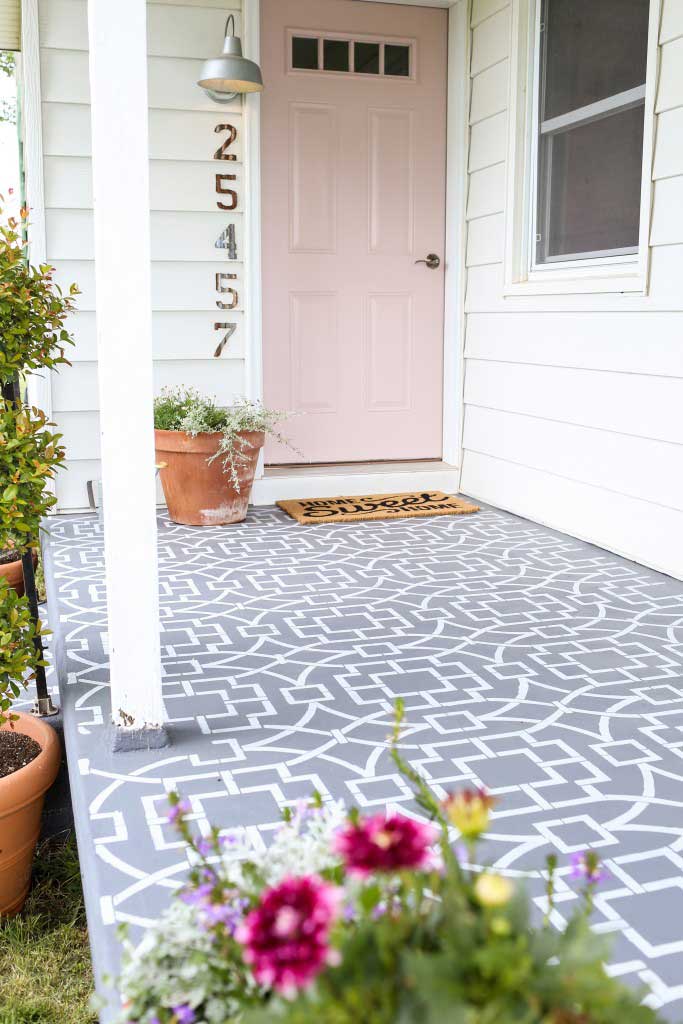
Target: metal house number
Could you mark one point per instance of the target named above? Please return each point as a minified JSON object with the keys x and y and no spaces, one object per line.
{"x":229,"y":298}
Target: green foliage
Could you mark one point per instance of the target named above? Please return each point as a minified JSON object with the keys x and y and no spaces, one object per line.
{"x":30,"y":455}
{"x":8,"y":107}
{"x":7,"y":63}
{"x":33,"y":310}
{"x":19,"y":657}
{"x":186,"y":410}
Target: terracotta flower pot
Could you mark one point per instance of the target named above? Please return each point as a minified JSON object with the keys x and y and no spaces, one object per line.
{"x":198,"y":492}
{"x":14,"y":574}
{"x":21,"y":806}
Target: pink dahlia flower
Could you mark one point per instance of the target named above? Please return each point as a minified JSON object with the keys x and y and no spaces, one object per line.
{"x":386,"y":844}
{"x":286,"y":937}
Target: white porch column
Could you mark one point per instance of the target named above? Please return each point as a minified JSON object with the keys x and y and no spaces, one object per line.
{"x":118,"y":88}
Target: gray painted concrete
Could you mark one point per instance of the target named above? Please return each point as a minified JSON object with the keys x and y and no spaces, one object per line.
{"x":544,"y":668}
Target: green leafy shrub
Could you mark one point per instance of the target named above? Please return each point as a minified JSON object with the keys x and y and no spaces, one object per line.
{"x":33,"y":309}
{"x":186,"y":410}
{"x":33,"y":314}
{"x":19,"y":657}
{"x":30,"y":455}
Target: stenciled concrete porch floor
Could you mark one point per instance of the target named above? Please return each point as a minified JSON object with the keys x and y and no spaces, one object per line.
{"x":541,"y":667}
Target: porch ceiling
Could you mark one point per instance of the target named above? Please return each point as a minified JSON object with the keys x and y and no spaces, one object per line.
{"x":539,"y":666}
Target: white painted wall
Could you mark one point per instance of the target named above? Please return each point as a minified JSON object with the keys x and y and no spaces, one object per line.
{"x":573,"y":413}
{"x":184,"y":219}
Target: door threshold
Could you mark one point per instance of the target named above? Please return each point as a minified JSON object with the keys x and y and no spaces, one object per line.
{"x":280,"y":483}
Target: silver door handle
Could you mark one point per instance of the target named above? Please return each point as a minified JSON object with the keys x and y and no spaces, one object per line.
{"x":433,"y":262}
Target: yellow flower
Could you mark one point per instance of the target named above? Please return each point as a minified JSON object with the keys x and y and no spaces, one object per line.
{"x":469,"y":810}
{"x":493,"y":890}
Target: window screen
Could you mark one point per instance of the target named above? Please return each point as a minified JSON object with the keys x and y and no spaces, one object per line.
{"x":590,"y":145}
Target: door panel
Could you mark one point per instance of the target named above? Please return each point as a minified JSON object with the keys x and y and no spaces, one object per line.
{"x":313,"y":178}
{"x":353,"y":170}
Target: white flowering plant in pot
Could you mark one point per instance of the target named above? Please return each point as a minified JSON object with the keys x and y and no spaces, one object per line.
{"x":348,"y":919}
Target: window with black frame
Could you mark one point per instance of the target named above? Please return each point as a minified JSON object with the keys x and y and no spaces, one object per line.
{"x":591,"y":101}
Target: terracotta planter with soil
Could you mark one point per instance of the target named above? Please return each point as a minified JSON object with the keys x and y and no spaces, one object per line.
{"x":14,"y":574}
{"x":199,"y":492}
{"x":21,"y":803}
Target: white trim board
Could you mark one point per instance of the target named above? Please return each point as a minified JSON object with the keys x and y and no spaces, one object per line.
{"x":417,"y":3}
{"x":328,"y":482}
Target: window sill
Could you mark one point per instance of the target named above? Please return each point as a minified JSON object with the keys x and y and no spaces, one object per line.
{"x":576,"y":282}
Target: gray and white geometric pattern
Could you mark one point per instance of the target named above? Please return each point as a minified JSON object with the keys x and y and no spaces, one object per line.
{"x":541,"y":667}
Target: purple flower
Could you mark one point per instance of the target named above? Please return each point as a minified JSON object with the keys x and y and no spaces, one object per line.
{"x":204,"y":847}
{"x":380,"y":910}
{"x":225,"y":842}
{"x":198,"y":895}
{"x":586,"y":868}
{"x":349,"y":912}
{"x":184,"y":1014}
{"x":177,"y":810}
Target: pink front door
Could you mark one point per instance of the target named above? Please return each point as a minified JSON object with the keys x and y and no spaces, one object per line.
{"x":353,"y":164}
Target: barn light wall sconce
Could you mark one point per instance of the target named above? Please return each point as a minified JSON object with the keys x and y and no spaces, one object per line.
{"x":225,"y":77}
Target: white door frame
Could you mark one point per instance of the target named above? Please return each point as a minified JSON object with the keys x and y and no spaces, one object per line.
{"x":457,"y":142}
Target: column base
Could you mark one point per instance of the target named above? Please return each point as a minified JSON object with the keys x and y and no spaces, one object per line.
{"x":151,"y":738}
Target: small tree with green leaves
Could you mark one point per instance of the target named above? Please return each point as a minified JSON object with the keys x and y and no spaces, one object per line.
{"x":33,"y":312}
{"x":33,"y":308}
{"x":19,"y":657}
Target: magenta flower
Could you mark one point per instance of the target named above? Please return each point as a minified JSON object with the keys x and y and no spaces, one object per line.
{"x":386,"y":844}
{"x":286,"y":937}
{"x":586,"y":868}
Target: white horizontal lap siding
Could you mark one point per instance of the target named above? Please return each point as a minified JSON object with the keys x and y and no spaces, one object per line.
{"x":184,"y":217}
{"x":572,"y":403}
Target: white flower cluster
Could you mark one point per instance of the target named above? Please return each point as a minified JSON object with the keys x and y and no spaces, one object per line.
{"x":303,"y":846}
{"x":177,"y":963}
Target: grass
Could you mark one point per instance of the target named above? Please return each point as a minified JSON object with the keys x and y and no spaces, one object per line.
{"x":45,"y":974}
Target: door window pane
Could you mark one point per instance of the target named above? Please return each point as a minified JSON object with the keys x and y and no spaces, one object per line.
{"x":594,"y":49}
{"x":593,"y":185}
{"x":366,"y":58}
{"x":335,"y":55}
{"x":305,"y":53}
{"x":397,"y":60}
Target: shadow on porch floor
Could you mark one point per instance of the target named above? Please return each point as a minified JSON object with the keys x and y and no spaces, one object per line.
{"x":541,"y":667}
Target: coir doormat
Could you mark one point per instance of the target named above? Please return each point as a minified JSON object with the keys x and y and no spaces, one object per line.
{"x":376,"y":506}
